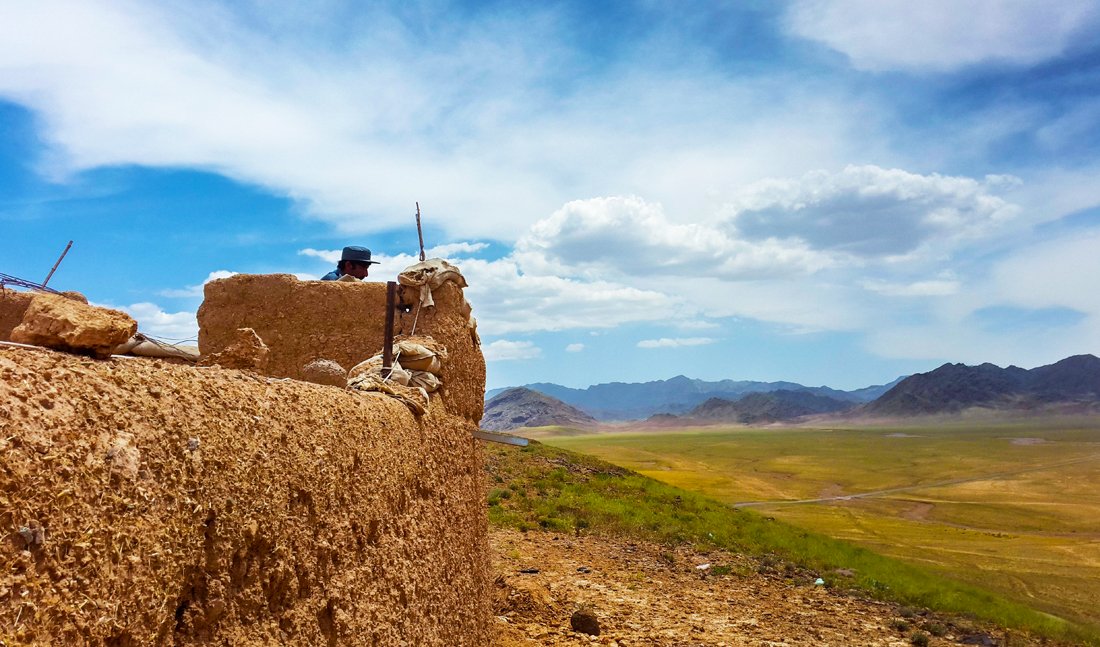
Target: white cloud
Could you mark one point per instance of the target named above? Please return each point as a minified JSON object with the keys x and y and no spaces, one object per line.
{"x":574,"y":348}
{"x":504,"y":350}
{"x":629,"y":236}
{"x":943,"y":34}
{"x":679,"y":342}
{"x":196,"y":290}
{"x":327,"y":255}
{"x":454,"y":249}
{"x":930,"y":288}
{"x":153,"y":321}
{"x":488,"y":130}
{"x":507,"y":299}
{"x":868,"y":211}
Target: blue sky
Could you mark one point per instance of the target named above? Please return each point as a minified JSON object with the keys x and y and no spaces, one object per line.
{"x":825,"y":191}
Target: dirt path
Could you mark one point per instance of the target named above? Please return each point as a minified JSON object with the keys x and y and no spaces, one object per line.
{"x":645,"y":594}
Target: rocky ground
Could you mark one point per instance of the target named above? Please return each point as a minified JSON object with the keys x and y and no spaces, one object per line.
{"x":646,"y":594}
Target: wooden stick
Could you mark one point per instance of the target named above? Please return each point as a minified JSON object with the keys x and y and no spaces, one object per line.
{"x":54,"y":268}
{"x":419,"y":232}
{"x":387,"y":342}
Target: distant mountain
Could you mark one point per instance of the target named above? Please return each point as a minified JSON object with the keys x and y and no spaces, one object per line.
{"x":954,"y":387}
{"x":634,"y":401}
{"x":771,"y":406}
{"x":521,"y":407}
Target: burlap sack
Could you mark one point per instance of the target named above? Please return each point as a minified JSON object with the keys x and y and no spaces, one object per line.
{"x":425,"y":380}
{"x":373,"y":366}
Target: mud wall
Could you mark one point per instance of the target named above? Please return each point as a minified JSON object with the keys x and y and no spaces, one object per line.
{"x":146,"y":503}
{"x":301,"y":321}
{"x":13,"y":305}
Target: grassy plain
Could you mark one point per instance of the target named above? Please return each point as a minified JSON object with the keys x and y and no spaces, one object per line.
{"x":1012,"y":507}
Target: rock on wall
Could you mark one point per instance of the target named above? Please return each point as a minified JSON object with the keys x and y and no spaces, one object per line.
{"x":343,"y":321}
{"x":145,"y":503}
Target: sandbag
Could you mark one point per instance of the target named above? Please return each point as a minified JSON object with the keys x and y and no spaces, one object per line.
{"x":425,"y":380}
{"x":416,"y":399}
{"x":420,"y":354}
{"x":373,"y":366}
{"x":143,"y":346}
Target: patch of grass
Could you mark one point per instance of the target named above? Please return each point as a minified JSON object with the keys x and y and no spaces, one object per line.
{"x":572,"y":493}
{"x":983,"y":501}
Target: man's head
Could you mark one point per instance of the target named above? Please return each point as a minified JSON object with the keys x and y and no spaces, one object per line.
{"x":355,"y":261}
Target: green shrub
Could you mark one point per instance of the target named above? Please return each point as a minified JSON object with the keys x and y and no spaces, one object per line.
{"x":919,"y":638}
{"x":936,"y":629}
{"x":899,"y":625}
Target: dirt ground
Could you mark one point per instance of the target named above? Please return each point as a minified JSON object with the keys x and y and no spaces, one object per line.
{"x":646,"y":594}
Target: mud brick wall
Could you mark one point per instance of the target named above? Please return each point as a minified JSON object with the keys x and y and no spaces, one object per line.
{"x":144,"y":503}
{"x":343,"y":321}
{"x":13,"y":305}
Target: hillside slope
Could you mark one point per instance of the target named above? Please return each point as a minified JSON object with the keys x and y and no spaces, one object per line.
{"x":521,"y":407}
{"x":656,"y":565}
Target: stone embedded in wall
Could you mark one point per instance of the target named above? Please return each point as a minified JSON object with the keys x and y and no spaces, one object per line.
{"x":247,"y":352}
{"x":63,"y":323}
{"x":325,"y":371}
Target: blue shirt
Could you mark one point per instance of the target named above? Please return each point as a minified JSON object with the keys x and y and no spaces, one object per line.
{"x":334,"y":275}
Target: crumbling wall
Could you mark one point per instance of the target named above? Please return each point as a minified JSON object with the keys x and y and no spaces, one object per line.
{"x":13,"y":305}
{"x":144,"y":503}
{"x":343,"y":321}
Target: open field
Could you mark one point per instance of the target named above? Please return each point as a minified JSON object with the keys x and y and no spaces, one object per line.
{"x":1011,"y":506}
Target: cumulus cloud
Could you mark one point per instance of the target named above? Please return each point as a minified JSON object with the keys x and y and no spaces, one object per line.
{"x":574,"y":348}
{"x":630,"y":236}
{"x":503,"y":350}
{"x":868,"y":211}
{"x":679,"y":342}
{"x":154,"y":321}
{"x":943,"y":35}
{"x":508,"y":299}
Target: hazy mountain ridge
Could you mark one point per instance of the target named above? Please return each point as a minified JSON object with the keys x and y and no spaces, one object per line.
{"x":678,"y":395}
{"x":523,"y":407}
{"x":763,"y":407}
{"x":954,"y":387}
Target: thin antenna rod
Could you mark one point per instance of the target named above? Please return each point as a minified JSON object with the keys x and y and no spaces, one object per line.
{"x":54,"y":268}
{"x":419,"y":231}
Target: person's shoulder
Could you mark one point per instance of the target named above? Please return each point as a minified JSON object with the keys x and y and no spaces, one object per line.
{"x":331,"y":276}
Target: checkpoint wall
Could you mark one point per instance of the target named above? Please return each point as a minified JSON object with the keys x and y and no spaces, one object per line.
{"x":343,"y":321}
{"x":150,"y":503}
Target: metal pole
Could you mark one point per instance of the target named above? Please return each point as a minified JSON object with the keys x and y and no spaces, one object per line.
{"x":54,"y":268}
{"x":387,"y":343}
{"x":419,"y":232}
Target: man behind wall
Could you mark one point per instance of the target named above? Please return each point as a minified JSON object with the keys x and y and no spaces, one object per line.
{"x":354,"y":262}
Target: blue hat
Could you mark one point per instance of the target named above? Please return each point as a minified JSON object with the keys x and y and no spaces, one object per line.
{"x":355,"y":253}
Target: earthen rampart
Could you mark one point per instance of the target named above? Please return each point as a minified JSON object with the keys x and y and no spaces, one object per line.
{"x":148,"y":503}
{"x":302,"y":321}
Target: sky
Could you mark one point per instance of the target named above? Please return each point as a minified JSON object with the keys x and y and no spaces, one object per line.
{"x":831,"y":192}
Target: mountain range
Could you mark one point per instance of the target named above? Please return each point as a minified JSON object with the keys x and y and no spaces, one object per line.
{"x":1070,"y":384}
{"x":954,"y":387}
{"x":678,"y":395}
